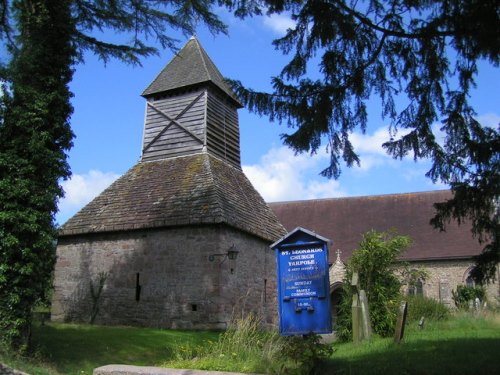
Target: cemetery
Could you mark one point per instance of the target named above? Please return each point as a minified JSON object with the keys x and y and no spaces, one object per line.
{"x":372,"y":129}
{"x":180,"y":261}
{"x":182,"y":240}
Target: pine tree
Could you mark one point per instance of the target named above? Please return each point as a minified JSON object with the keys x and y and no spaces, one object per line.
{"x":424,"y":52}
{"x":46,"y":39}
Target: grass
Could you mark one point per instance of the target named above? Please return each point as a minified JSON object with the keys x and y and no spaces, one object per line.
{"x":77,"y":349}
{"x":461,"y":345}
{"x":244,"y":348}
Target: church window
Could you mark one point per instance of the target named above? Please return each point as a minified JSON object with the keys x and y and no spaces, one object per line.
{"x":469,"y":281}
{"x":417,"y":289}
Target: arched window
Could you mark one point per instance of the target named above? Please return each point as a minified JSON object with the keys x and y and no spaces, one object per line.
{"x":469,"y":281}
{"x":416,"y":289}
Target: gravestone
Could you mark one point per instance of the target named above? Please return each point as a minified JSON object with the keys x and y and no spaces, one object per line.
{"x":365,"y":314}
{"x":444,"y":292}
{"x":361,"y":327}
{"x":400,"y":324}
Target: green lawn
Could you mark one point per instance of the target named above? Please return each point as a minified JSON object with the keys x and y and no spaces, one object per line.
{"x":462,"y":345}
{"x":459,"y":346}
{"x":77,"y":349}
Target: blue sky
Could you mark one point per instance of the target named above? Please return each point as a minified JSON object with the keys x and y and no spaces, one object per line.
{"x":108,"y":121}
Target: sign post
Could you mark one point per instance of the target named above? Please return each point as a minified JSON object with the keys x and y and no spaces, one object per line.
{"x":303,"y":283}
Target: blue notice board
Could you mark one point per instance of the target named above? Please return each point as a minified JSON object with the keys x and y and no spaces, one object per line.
{"x":303,"y":283}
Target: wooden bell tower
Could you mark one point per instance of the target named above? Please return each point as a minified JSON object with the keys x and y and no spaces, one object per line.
{"x":190,"y":110}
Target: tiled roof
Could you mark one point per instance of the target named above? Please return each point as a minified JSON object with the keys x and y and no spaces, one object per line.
{"x":191,"y":190}
{"x":344,"y":220}
{"x":191,"y":66}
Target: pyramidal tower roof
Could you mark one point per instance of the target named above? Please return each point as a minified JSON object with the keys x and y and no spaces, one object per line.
{"x":191,"y":66}
{"x":191,"y":190}
{"x":190,"y":171}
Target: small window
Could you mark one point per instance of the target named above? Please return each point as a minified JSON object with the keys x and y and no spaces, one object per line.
{"x":194,"y":307}
{"x":417,"y":289}
{"x":137,"y":287}
{"x":469,"y":280}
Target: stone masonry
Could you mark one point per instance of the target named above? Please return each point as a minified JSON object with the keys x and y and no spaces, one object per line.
{"x":446,"y":275}
{"x":179,"y":287}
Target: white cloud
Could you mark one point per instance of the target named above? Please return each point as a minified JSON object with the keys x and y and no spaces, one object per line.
{"x":370,"y":150}
{"x":282,"y":176}
{"x":491,"y":120}
{"x":370,"y":144}
{"x":279,"y":23}
{"x":81,"y":189}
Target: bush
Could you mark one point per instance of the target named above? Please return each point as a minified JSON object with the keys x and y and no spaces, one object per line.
{"x":430,"y":309}
{"x":375,"y":261}
{"x":309,"y":354}
{"x":464,"y":294}
{"x":343,"y":323}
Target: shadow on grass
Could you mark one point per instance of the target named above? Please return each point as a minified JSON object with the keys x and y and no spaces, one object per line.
{"x":78,"y":349}
{"x":462,"y":356}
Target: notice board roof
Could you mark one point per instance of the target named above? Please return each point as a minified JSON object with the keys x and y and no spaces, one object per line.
{"x":295,"y":234}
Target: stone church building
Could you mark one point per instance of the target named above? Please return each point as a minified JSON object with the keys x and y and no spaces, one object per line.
{"x":182,"y":239}
{"x":447,"y":257}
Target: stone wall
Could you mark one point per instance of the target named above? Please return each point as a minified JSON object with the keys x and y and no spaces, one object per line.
{"x":446,"y":275}
{"x":163,"y":278}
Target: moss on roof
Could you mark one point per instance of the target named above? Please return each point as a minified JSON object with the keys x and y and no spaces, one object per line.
{"x":192,"y":190}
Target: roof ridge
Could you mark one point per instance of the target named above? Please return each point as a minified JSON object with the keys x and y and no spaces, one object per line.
{"x":247,"y":197}
{"x":204,"y":58}
{"x":153,"y":82}
{"x":207,"y":163}
{"x":361,"y":196}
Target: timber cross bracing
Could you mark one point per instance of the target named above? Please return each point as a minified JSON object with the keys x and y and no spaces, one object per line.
{"x":191,"y":110}
{"x":174,"y":120}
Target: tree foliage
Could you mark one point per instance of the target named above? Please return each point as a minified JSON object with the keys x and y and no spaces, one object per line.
{"x":34,"y":136}
{"x":426,"y":54}
{"x":466,"y":295}
{"x":375,"y":260}
{"x":45,"y":40}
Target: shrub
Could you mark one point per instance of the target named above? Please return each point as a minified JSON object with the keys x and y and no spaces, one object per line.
{"x":430,"y":309}
{"x":308,"y":353}
{"x":343,"y":323}
{"x":375,"y":261}
{"x":464,"y":294}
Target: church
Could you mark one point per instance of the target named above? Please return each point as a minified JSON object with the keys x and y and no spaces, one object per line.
{"x":181,"y":240}
{"x":447,"y":257}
